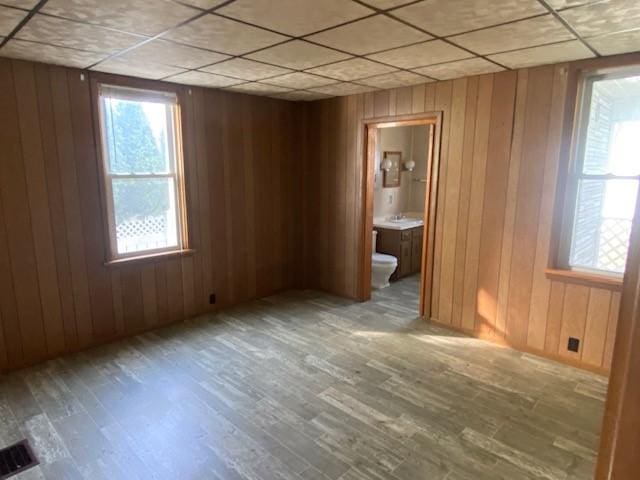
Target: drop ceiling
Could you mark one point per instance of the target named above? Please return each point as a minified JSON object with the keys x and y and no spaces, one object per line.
{"x":310,"y":49}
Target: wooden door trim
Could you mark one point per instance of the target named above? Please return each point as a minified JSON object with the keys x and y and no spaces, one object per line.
{"x":370,"y":127}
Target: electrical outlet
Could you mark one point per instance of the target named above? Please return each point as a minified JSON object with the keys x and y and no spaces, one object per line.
{"x":573,"y":345}
{"x":391,"y":199}
{"x":212,"y":298}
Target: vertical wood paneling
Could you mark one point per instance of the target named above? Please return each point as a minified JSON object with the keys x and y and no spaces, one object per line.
{"x":574,"y":316}
{"x":499,"y":154}
{"x":511,"y":202}
{"x":541,"y":285}
{"x":496,"y":180}
{"x":530,"y":180}
{"x":33,"y":159}
{"x":17,"y":219}
{"x":476,"y":202}
{"x":463,"y":201}
{"x":442,"y":102}
{"x":56,"y":294}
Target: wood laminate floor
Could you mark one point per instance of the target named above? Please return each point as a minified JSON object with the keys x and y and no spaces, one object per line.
{"x":304,"y":385}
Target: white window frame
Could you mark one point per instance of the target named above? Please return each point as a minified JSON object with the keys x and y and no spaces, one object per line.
{"x":176,"y":173}
{"x":575,"y":172}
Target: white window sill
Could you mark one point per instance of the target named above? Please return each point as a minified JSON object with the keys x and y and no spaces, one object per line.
{"x":149,"y":257}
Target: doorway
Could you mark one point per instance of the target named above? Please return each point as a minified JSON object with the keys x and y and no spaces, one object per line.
{"x":411,"y":233}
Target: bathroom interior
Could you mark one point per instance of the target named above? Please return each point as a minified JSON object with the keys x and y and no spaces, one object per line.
{"x":400,"y":183}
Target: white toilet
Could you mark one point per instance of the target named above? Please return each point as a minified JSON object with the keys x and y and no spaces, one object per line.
{"x":382,"y":266}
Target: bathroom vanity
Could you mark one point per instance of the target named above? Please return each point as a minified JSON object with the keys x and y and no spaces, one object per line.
{"x":403,"y":242}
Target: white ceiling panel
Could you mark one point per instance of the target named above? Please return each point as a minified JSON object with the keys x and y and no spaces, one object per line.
{"x":204,"y":79}
{"x":609,"y":16}
{"x":295,"y":17}
{"x":169,"y":53}
{"x":528,"y":57}
{"x":393,"y":80}
{"x":256,"y":88}
{"x":460,"y":68}
{"x":340,"y":89}
{"x":352,"y":69}
{"x":223,"y":35}
{"x":616,"y":43}
{"x":299,"y":80}
{"x":148,"y":17}
{"x":127,"y":66}
{"x":516,"y":35}
{"x":246,"y":69}
{"x":298,"y":54}
{"x":36,"y":52}
{"x":447,"y":17}
{"x":72,"y":34}
{"x":427,"y":53}
{"x":369,"y":35}
{"x":9,"y":19}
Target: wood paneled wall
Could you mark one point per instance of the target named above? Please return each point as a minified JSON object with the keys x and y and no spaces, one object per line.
{"x":500,"y":154}
{"x":244,"y":201}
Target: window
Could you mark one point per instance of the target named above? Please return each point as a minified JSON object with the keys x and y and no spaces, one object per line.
{"x":603,"y":179}
{"x":142,"y":165}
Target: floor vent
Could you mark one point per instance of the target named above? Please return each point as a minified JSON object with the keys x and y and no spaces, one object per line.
{"x":15,"y":459}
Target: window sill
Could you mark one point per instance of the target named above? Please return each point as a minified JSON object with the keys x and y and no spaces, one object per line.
{"x":152,"y":257}
{"x":583,"y":278}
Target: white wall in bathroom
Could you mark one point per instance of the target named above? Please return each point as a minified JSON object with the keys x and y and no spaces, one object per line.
{"x":412,"y":141}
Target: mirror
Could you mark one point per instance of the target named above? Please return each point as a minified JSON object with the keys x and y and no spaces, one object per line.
{"x":391,"y":163}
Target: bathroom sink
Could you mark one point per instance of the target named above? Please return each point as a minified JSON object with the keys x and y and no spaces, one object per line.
{"x":394,"y":223}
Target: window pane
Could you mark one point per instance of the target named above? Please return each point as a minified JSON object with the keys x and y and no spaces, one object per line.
{"x":604,"y":211}
{"x":137,"y":136}
{"x":613,"y":133}
{"x":145,"y":214}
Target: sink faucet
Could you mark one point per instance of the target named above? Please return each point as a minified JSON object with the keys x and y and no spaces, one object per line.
{"x":397,"y":217}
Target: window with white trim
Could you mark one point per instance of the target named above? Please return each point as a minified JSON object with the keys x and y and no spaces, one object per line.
{"x":142,"y":166}
{"x":603,"y":178}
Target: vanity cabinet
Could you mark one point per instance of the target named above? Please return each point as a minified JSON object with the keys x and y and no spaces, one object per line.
{"x":405,"y":245}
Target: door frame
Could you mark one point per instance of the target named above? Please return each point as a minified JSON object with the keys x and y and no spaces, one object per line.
{"x":370,"y":128}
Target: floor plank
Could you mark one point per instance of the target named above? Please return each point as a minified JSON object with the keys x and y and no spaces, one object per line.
{"x":304,"y":385}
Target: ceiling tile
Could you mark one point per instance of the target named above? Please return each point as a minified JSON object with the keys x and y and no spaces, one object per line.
{"x":223,"y":35}
{"x":72,"y":34}
{"x":135,"y":68}
{"x":298,"y":54}
{"x":246,"y":69}
{"x":370,"y":35}
{"x":169,"y":53}
{"x":446,"y":17}
{"x":461,"y":68}
{"x":559,"y":52}
{"x":148,"y":17}
{"x":559,"y":4}
{"x":9,"y":19}
{"x":38,"y":52}
{"x":301,"y":95}
{"x":295,"y":17}
{"x":299,"y":80}
{"x":512,"y":36}
{"x":340,"y":89}
{"x":26,"y":4}
{"x":605,"y":17}
{"x":352,"y":69}
{"x":393,"y":80}
{"x":256,"y":88}
{"x":203,"y":4}
{"x":386,"y":4}
{"x":427,"y":53}
{"x":617,"y":43}
{"x":204,"y":79}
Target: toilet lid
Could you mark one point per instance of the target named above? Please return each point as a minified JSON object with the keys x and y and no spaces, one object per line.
{"x":382,"y":258}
